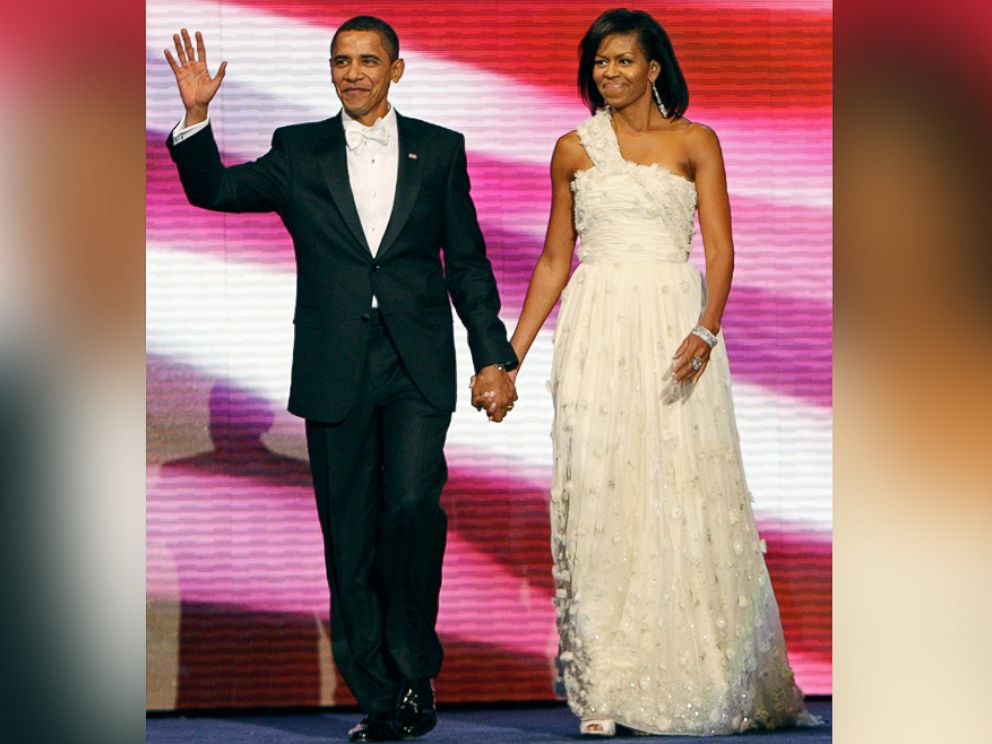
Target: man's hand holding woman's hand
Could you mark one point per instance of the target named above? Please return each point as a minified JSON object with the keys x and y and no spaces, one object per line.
{"x":493,"y":391}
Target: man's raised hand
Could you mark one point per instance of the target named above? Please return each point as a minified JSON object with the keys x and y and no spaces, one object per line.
{"x":196,"y":87}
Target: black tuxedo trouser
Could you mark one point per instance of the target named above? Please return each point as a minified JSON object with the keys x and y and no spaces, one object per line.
{"x":377,"y":477}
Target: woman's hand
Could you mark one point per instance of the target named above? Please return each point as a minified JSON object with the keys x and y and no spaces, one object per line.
{"x":682,"y":365}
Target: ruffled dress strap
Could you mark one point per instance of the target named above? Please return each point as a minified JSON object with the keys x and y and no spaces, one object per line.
{"x":600,"y":142}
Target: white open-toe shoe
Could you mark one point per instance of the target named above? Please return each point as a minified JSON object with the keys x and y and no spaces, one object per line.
{"x":598,"y":727}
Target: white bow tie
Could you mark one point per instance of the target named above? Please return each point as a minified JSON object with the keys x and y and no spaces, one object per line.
{"x":356,"y":133}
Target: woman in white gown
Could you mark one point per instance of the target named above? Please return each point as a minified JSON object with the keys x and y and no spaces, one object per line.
{"x":666,"y":614}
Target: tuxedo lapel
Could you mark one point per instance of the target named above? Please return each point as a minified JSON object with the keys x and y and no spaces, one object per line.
{"x":333,"y":158}
{"x":408,"y":177}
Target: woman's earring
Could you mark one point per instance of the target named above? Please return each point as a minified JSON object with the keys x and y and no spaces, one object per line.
{"x":657,"y":98}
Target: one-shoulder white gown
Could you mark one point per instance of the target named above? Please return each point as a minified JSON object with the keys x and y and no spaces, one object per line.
{"x":667,"y":617}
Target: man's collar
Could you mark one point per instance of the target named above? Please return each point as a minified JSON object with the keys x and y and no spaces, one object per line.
{"x":388,"y":121}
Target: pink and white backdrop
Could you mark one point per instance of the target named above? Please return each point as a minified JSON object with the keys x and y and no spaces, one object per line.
{"x":236,"y":599}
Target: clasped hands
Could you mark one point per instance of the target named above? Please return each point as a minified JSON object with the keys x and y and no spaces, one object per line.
{"x":494,"y":392}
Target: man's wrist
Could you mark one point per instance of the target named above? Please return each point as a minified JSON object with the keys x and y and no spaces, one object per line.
{"x":499,"y":366}
{"x":195,"y":116}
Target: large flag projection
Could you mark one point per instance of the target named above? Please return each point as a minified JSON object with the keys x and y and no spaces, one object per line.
{"x":237,"y":602}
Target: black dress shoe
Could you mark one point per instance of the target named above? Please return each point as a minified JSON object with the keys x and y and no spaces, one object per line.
{"x":375,"y":727}
{"x":415,"y":714}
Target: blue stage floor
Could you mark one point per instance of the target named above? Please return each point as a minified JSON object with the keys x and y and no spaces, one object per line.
{"x":503,"y":725}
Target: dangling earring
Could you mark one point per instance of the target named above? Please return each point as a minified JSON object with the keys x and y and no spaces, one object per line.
{"x":661,"y":105}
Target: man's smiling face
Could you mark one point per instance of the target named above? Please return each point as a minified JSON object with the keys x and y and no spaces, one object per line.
{"x":362,"y":71}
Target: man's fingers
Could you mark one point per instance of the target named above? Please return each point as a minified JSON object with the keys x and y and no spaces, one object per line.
{"x":486,"y":400}
{"x":172,"y":61}
{"x":189,"y":46}
{"x":201,"y":51}
{"x":221,"y":71}
{"x":180,"y":52}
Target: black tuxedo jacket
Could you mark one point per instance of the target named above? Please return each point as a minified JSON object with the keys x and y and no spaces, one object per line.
{"x":304,"y":178}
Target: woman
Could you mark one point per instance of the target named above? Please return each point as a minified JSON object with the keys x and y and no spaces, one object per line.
{"x":667,"y":618}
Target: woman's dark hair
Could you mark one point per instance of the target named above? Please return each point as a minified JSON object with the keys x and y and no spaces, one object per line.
{"x":656,"y":45}
{"x":390,"y":41}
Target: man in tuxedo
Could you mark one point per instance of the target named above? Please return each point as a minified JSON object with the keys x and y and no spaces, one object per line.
{"x":370,"y":198}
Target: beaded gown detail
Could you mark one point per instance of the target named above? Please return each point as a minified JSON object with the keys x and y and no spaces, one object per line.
{"x":665,"y":611}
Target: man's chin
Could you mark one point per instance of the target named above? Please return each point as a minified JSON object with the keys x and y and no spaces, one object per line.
{"x":355,"y":113}
{"x":358,"y":112}
{"x":356,"y":104}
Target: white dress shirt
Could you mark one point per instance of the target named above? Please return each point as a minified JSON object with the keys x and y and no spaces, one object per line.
{"x":373,"y":162}
{"x":182,"y":131}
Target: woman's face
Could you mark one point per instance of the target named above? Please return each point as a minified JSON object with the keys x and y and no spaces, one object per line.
{"x":621,"y":70}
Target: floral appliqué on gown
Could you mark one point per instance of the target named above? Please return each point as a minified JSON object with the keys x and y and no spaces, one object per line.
{"x":667,"y":618}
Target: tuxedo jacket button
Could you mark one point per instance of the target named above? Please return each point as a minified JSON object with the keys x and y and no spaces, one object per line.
{"x":365,"y":317}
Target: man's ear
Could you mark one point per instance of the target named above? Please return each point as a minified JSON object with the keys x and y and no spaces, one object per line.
{"x":398,"y":67}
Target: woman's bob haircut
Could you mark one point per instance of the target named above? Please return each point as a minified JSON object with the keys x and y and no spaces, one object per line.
{"x":656,"y":46}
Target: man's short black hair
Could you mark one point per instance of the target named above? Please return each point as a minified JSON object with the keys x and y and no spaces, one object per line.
{"x":390,"y":41}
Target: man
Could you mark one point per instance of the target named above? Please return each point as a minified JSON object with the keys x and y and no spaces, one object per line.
{"x":370,"y":198}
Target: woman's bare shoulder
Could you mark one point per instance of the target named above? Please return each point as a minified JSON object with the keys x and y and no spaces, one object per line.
{"x":698,"y":137}
{"x":569,"y":143}
{"x":569,"y":155}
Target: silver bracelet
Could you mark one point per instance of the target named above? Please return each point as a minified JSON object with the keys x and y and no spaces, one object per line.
{"x":706,"y":335}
